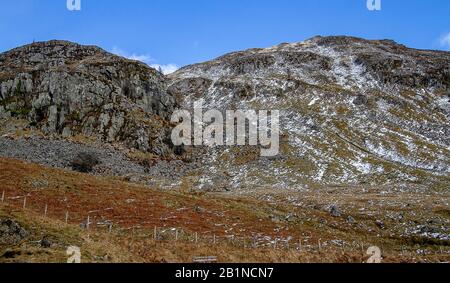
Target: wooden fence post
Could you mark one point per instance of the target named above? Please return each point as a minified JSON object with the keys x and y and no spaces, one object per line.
{"x":176,"y":235}
{"x":24,"y":202}
{"x":3,"y":196}
{"x":87,"y":223}
{"x":45,"y":210}
{"x":155,"y":233}
{"x":67,"y":216}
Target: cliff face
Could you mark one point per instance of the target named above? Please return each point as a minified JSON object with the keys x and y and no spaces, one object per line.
{"x":65,"y":89}
{"x":353,"y":111}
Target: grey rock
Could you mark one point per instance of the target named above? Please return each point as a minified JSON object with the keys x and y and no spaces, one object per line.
{"x":11,"y":233}
{"x":351,"y":220}
{"x":335,"y":211}
{"x":85,"y":162}
{"x":360,"y":100}
{"x":276,"y":218}
{"x":428,"y":229}
{"x":380,"y":224}
{"x":291,"y":217}
{"x":47,"y":242}
{"x":4,"y":114}
{"x":200,"y":210}
{"x":67,"y":89}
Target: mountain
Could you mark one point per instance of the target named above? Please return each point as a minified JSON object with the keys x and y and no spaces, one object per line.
{"x":64,"y":89}
{"x":353,"y":111}
{"x":364,"y":159}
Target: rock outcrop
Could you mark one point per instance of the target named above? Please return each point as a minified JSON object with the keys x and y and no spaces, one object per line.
{"x":11,"y":233}
{"x":65,"y":89}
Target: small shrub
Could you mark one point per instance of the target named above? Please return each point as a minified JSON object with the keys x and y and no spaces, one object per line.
{"x":21,"y":112}
{"x":85,"y":162}
{"x":179,"y":150}
{"x":73,"y":117}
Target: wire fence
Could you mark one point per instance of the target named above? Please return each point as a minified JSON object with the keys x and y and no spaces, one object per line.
{"x":96,"y":221}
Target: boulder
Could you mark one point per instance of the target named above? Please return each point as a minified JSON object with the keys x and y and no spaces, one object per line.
{"x":11,"y":233}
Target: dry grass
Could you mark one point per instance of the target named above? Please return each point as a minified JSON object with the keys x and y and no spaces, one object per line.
{"x":135,"y":211}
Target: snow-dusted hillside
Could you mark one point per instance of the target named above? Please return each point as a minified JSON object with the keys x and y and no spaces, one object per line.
{"x":353,"y":111}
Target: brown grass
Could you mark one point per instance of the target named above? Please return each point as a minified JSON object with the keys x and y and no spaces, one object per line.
{"x":135,"y":211}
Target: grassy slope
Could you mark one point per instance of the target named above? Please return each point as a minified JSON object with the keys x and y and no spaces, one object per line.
{"x":136,"y":210}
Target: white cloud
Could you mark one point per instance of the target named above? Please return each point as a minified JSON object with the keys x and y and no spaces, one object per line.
{"x":132,"y":56}
{"x":147,"y":59}
{"x":445,"y":41}
{"x":166,"y":69}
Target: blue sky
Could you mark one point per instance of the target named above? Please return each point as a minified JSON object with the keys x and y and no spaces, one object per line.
{"x":182,"y":32}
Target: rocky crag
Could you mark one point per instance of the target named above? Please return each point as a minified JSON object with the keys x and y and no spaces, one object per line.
{"x":64,"y":89}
